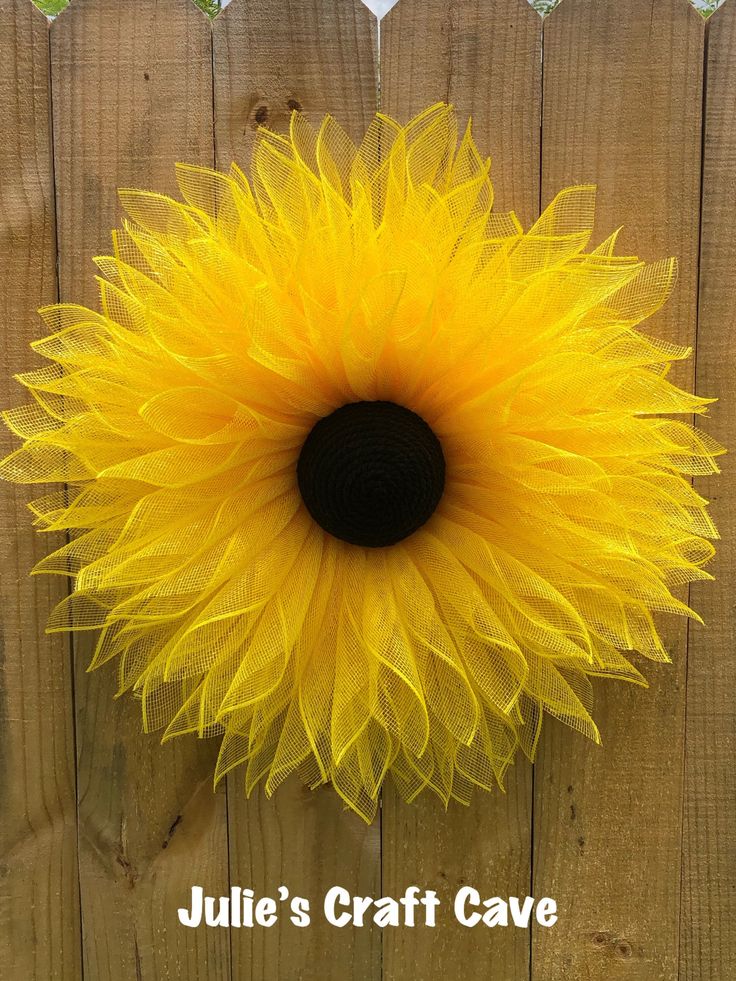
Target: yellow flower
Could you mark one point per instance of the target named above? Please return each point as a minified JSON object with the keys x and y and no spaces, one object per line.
{"x":361,"y":476}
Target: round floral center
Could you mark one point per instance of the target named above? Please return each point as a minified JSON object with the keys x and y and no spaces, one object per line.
{"x":371,"y":473}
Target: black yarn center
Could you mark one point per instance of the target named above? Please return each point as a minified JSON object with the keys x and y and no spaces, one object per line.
{"x":371,"y":473}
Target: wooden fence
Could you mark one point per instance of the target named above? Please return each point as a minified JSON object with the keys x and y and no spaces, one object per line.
{"x":102,"y":830}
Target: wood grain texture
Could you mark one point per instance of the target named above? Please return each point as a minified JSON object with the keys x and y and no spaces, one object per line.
{"x":622,"y":107}
{"x":274,"y":56}
{"x":708,"y":918}
{"x":486,"y":58}
{"x":306,"y":841}
{"x":131,"y":96}
{"x":40,"y":930}
{"x":271,"y":57}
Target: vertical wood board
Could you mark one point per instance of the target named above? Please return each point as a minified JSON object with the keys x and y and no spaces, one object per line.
{"x":622,"y":107}
{"x":485,"y":58}
{"x":271,"y":58}
{"x":40,"y":929}
{"x":708,"y":915}
{"x":132,"y":96}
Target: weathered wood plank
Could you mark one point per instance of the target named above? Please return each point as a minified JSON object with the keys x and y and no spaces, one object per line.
{"x":622,"y":107}
{"x":40,"y":927}
{"x":131,"y":96}
{"x":306,"y":841}
{"x":271,"y":57}
{"x":708,"y":916}
{"x":485,"y":57}
{"x":274,"y":56}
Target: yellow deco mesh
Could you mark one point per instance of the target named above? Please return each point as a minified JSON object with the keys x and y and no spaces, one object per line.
{"x":229,"y":325}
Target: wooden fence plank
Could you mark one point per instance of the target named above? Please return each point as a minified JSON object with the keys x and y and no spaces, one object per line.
{"x":271,"y":57}
{"x":622,"y":106}
{"x":708,"y":920}
{"x":132,"y":95}
{"x":40,"y":930}
{"x":484,"y":56}
{"x":274,"y":56}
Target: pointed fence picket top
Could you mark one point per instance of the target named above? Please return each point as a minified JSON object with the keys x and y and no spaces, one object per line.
{"x":707,"y":7}
{"x":544,"y":7}
{"x":211,"y":7}
{"x":52,"y":8}
{"x":380,"y":7}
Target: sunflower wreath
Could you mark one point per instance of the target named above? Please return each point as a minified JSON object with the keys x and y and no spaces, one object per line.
{"x":360,"y":476}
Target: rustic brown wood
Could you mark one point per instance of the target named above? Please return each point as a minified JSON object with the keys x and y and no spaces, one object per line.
{"x":40,"y":930}
{"x":271,"y":57}
{"x":306,"y":841}
{"x":622,"y":106}
{"x":132,"y":95}
{"x":274,"y":56}
{"x":708,"y":918}
{"x":484,"y":56}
